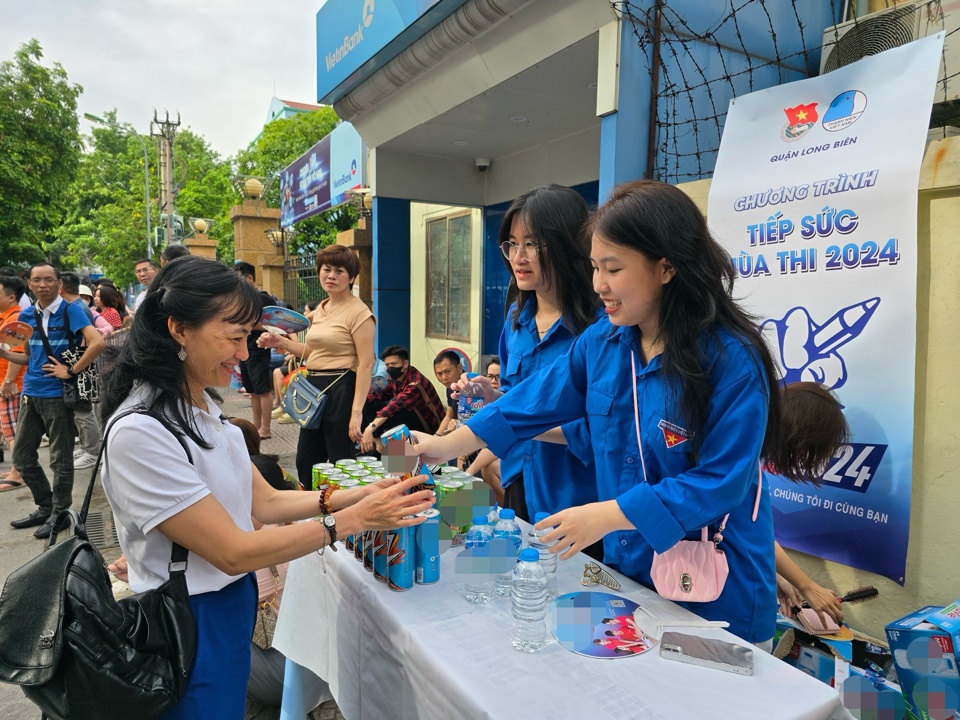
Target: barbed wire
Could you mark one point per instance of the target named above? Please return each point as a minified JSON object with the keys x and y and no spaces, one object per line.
{"x":692,"y":95}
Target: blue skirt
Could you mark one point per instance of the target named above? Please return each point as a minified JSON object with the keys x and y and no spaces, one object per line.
{"x":217,"y":689}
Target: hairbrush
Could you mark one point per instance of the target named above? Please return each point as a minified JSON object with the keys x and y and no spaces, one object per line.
{"x":861,"y":594}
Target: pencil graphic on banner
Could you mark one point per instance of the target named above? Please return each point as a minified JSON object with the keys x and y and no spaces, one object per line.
{"x":843,"y":327}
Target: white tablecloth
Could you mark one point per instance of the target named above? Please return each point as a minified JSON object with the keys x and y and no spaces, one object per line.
{"x":428,"y":654}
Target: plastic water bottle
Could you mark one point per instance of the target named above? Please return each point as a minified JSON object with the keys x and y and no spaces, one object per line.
{"x":493,"y":517}
{"x":469,"y":403}
{"x":529,"y":592}
{"x":479,"y":534}
{"x":548,"y":560}
{"x":507,"y":528}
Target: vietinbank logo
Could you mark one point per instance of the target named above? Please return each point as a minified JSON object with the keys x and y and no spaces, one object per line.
{"x":353,"y":40}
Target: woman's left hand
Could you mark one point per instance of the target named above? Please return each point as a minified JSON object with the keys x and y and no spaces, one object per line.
{"x":580,"y":527}
{"x":356,"y":434}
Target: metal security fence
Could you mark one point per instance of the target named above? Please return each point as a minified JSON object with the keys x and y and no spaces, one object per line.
{"x":300,"y":282}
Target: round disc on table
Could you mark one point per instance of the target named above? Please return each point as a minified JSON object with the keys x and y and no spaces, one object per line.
{"x":597,"y":625}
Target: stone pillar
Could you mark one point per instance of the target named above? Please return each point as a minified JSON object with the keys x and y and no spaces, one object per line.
{"x":361,"y":240}
{"x":200,"y":243}
{"x":251,"y":244}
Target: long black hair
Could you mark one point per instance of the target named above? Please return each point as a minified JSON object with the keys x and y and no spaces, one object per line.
{"x":555,"y":215}
{"x":661,"y":221}
{"x":192,"y":291}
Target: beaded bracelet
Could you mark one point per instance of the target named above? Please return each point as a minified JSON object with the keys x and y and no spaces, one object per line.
{"x":325,"y":494}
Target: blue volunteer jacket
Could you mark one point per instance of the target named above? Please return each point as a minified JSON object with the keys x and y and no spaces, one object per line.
{"x":554,"y":477}
{"x":678,"y":498}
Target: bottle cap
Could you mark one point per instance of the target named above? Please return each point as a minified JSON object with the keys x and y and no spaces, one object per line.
{"x":479,"y":519}
{"x":529,"y":555}
{"x":540,"y":516}
{"x":507,"y":514}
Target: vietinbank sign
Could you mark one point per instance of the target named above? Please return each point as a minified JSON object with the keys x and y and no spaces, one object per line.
{"x":323,"y":176}
{"x":357,"y":37}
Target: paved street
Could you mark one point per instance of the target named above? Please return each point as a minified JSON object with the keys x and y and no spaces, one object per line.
{"x":18,"y":546}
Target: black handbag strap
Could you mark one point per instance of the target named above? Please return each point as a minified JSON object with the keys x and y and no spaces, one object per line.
{"x":41,"y":333}
{"x":178,"y":555}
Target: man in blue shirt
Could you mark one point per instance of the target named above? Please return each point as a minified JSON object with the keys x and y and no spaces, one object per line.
{"x":42,"y":409}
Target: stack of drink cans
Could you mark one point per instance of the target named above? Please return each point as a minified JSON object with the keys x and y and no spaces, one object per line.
{"x":403,"y":556}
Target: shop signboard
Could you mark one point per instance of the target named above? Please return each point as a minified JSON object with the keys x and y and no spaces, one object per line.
{"x":815,"y":197}
{"x":323,"y":176}
{"x":356,"y":37}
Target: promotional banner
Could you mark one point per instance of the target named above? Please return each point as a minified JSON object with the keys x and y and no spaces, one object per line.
{"x":323,"y":176}
{"x":815,"y":197}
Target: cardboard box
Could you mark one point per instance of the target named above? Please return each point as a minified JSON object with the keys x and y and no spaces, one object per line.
{"x":813,"y":662}
{"x":909,"y":638}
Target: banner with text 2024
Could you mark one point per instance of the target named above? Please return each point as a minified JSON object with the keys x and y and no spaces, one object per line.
{"x":815,"y":197}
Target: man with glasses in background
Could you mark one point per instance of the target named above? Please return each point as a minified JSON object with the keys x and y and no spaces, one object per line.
{"x":145,"y":270}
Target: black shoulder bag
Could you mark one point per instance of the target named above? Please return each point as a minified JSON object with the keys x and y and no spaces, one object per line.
{"x":78,"y":653}
{"x":71,"y":392}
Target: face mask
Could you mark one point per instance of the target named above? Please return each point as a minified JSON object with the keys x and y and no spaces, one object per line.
{"x":395,"y":372}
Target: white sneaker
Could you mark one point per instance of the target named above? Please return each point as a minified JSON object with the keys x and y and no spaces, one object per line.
{"x":84,"y":461}
{"x":78,"y":454}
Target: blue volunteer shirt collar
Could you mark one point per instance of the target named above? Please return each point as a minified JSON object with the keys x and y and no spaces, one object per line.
{"x":629,"y":335}
{"x":528,"y":319}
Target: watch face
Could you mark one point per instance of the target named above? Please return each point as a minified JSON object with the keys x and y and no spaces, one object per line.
{"x":329,"y":520}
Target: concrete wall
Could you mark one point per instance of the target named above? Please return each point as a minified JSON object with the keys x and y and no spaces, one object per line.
{"x":424,"y":349}
{"x":932,"y":577}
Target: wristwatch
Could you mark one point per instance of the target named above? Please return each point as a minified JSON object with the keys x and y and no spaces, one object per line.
{"x":330,"y":523}
{"x":70,"y":371}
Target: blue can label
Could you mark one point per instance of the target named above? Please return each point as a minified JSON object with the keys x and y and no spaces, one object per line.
{"x":400,"y":562}
{"x":380,"y":555}
{"x":427,"y":554}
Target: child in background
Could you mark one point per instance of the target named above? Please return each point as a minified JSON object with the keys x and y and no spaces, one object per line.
{"x":813,"y":429}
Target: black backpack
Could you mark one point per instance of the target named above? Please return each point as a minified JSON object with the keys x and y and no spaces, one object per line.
{"x":75,"y":651}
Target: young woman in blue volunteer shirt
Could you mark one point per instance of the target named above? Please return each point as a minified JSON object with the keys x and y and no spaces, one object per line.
{"x":548,"y":259}
{"x":707,"y":400}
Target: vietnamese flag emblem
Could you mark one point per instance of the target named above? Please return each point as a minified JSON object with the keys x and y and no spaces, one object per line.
{"x":802,"y":114}
{"x":673,"y":435}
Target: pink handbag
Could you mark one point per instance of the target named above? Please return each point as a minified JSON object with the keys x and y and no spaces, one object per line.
{"x":692,"y":570}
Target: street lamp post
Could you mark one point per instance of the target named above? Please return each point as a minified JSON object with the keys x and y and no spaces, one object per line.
{"x":146,"y":171}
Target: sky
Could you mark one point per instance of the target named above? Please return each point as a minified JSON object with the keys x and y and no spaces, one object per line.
{"x":216,"y":62}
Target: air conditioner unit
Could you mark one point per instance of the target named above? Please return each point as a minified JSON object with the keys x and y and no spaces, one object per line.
{"x":892,"y":27}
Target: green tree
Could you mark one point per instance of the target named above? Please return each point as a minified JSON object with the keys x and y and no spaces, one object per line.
{"x":39,"y":154}
{"x":282,"y":142}
{"x":105,"y":224}
{"x":205,"y":188}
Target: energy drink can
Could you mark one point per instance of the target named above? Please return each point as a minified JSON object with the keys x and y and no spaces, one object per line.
{"x":358,"y":474}
{"x":358,"y":541}
{"x":427,"y":552}
{"x":447,"y":486}
{"x":400,"y":562}
{"x":348,"y":543}
{"x":380,"y":555}
{"x":349,"y":482}
{"x":368,"y":550}
{"x":319,"y":474}
{"x":367,"y":460}
{"x":334,"y":480}
{"x":346,"y":462}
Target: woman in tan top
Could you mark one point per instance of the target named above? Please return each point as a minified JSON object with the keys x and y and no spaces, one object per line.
{"x":339,"y":349}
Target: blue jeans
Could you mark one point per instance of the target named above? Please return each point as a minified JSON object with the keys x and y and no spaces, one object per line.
{"x":50,"y":416}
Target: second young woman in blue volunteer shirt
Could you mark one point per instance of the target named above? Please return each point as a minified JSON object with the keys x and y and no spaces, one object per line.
{"x":707,"y":401}
{"x":548,"y":258}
